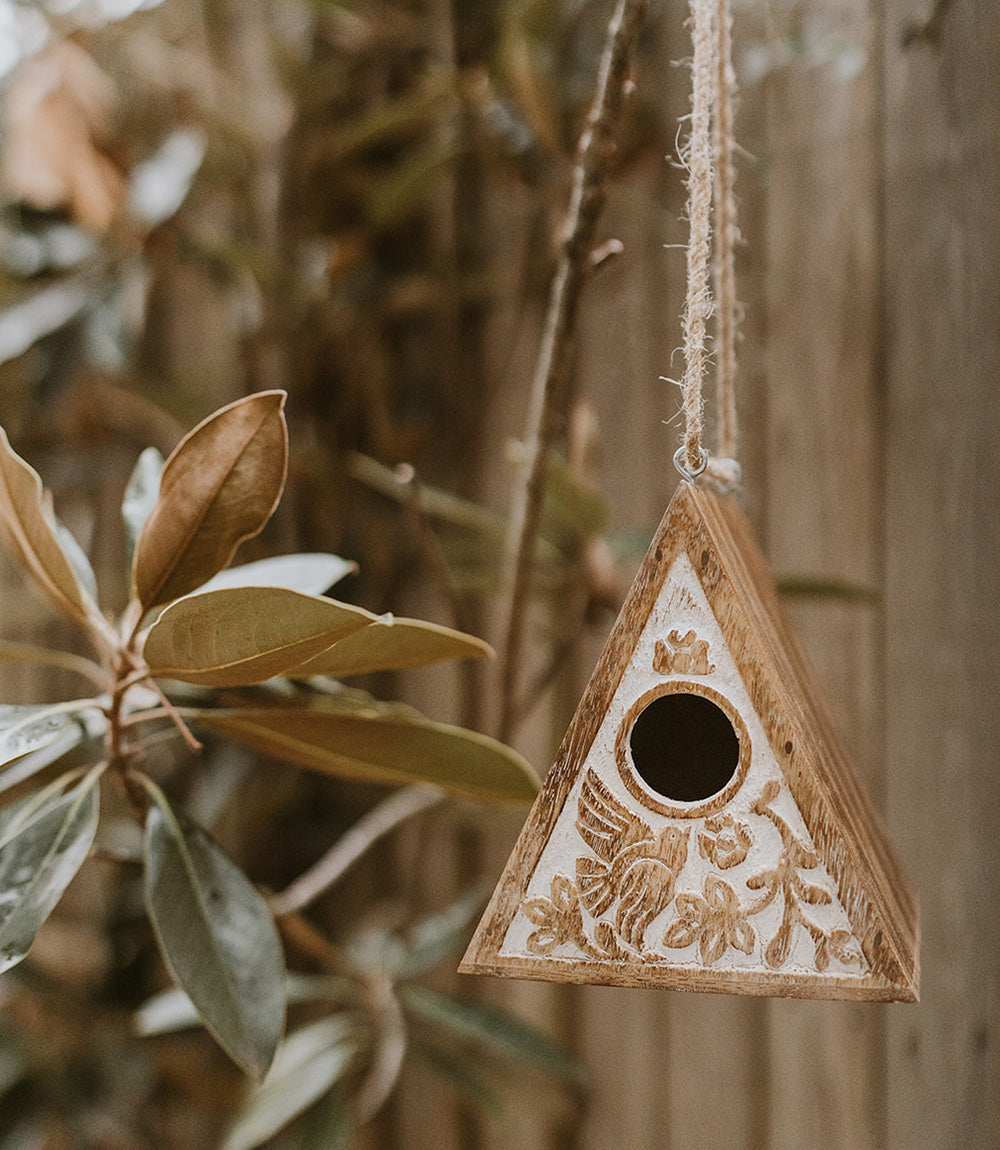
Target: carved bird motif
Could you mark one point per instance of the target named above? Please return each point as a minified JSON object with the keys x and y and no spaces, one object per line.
{"x":633,"y":865}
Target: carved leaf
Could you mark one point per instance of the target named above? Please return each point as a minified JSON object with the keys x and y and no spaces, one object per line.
{"x":822,"y":952}
{"x":219,"y":487}
{"x":743,"y":936}
{"x":713,"y":942}
{"x":564,"y":894}
{"x":779,"y":946}
{"x":801,"y":856}
{"x":681,"y":933}
{"x":813,"y":894}
{"x":762,"y":878}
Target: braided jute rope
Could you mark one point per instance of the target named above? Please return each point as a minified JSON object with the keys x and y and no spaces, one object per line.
{"x":708,"y":158}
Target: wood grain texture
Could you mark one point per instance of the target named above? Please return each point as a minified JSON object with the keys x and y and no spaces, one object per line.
{"x":844,"y":827}
{"x":942,"y":250}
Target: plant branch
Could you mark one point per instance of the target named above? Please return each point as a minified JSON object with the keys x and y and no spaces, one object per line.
{"x":549,"y":385}
{"x":378,"y":822}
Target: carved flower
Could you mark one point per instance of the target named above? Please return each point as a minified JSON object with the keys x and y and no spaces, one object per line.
{"x":558,"y":918}
{"x":724,"y":841}
{"x":715,"y":920}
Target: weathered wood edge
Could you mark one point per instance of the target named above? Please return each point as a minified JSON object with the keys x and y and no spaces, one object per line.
{"x":664,"y":976}
{"x":840,"y":816}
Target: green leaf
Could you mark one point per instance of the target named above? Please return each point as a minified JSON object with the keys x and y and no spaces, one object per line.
{"x":244,"y":635}
{"x":391,"y":644}
{"x":172,"y":1010}
{"x":216,"y":934}
{"x":438,"y":935}
{"x":311,"y":573}
{"x":380,"y":744}
{"x":28,"y":766}
{"x":219,"y":487}
{"x":491,"y":1029}
{"x":141,"y":493}
{"x":328,"y":1125}
{"x":40,"y":853}
{"x":32,"y":536}
{"x":308,"y":1064}
{"x":26,"y":729}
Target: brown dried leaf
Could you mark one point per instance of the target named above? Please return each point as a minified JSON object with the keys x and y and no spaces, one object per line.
{"x":219,"y":487}
{"x":381,"y":745}
{"x":393,"y":645}
{"x":57,"y":114}
{"x":32,"y":536}
{"x":237,"y":636}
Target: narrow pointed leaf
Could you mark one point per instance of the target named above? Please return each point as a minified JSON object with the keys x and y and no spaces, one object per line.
{"x":219,"y":487}
{"x":311,"y":573}
{"x":243,"y":635}
{"x":32,"y":535}
{"x":39,"y":855}
{"x":216,"y":934}
{"x":308,"y":1064}
{"x":381,"y":745}
{"x":394,"y":645}
{"x":141,"y":494}
{"x":17,"y":773}
{"x":27,"y":729}
{"x":491,"y":1029}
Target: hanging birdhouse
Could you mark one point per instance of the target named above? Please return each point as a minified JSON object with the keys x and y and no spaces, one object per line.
{"x":702,"y":827}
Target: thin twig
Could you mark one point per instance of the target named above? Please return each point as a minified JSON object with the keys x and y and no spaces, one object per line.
{"x":548,"y":390}
{"x":377,"y":823}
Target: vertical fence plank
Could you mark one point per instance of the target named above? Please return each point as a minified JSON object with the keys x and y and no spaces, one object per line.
{"x":821,"y":510}
{"x":943,"y":275}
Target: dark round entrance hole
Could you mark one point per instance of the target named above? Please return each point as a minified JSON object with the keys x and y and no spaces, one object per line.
{"x":684,"y":747}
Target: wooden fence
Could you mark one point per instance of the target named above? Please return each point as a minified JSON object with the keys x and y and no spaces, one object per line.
{"x":870,"y":207}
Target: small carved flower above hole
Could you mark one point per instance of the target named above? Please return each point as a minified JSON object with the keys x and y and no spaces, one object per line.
{"x":724,"y":841}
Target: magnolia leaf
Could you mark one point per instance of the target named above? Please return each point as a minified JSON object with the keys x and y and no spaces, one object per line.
{"x":307,"y":1065}
{"x":32,"y":536}
{"x":310,"y":573}
{"x":492,"y":1029}
{"x":381,"y":745}
{"x":40,"y":852}
{"x":77,"y":560}
{"x":219,"y":487}
{"x":391,"y":644}
{"x":141,"y":494}
{"x":243,"y":635}
{"x":16,"y":773}
{"x":26,"y":729}
{"x":216,"y":934}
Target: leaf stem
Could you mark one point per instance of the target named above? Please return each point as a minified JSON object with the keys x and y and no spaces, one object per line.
{"x":549,"y":386}
{"x":371,"y":827}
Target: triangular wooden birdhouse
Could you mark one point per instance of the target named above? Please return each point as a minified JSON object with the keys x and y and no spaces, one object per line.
{"x":702,"y":827}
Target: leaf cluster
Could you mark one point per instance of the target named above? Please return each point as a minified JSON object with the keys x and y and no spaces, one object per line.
{"x":191,"y":621}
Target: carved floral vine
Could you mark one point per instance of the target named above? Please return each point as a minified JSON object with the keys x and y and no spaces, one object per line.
{"x":715,"y":920}
{"x":634,"y":874}
{"x":783,"y":879}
